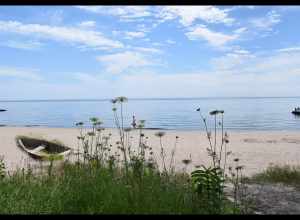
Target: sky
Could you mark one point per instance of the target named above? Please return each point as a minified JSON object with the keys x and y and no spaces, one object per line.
{"x":95,"y":52}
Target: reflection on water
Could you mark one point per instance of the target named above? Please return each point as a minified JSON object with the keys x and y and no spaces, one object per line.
{"x":240,"y":113}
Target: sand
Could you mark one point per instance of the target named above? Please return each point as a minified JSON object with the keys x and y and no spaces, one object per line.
{"x":255,"y":149}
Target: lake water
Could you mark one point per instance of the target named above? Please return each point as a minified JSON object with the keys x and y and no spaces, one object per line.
{"x":240,"y":113}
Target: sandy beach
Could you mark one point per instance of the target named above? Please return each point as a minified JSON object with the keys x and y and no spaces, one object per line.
{"x":255,"y":149}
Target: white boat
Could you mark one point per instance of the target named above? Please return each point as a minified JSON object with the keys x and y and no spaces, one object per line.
{"x":42,"y":149}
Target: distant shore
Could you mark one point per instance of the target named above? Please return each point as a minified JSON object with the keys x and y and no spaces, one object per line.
{"x":255,"y":149}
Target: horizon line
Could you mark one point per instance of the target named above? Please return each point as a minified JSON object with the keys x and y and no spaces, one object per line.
{"x":153,"y":98}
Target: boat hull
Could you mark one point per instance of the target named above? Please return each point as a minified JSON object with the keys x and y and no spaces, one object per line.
{"x":296,"y":113}
{"x":29,"y":145}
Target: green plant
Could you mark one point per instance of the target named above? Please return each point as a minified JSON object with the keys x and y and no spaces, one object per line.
{"x":208,"y":184}
{"x":2,"y":168}
{"x":216,"y":174}
{"x":218,"y":153}
{"x":289,"y":175}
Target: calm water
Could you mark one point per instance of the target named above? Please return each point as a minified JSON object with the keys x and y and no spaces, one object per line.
{"x":240,"y":113}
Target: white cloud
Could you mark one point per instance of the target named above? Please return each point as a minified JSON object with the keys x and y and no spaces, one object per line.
{"x":120,"y":62}
{"x":87,"y":24}
{"x":289,"y":49}
{"x":20,"y":73}
{"x":189,"y":14}
{"x":231,"y":60}
{"x":82,"y":37}
{"x":125,"y":13}
{"x":133,"y":34}
{"x":216,"y":39}
{"x":129,"y":34}
{"x":170,"y":41}
{"x":267,"y":22}
{"x":268,"y":74}
{"x":251,"y":7}
{"x":157,"y":44}
{"x":242,"y":74}
{"x":24,"y":45}
{"x":243,"y":62}
{"x":148,"y":49}
{"x":240,"y":30}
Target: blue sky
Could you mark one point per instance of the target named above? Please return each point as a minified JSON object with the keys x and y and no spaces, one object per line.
{"x":74,"y":52}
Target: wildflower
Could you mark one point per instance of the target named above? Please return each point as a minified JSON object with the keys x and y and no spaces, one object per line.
{"x":140,"y":126}
{"x":79,"y":124}
{"x":215,"y":112}
{"x":121,"y":99}
{"x":186,"y":161}
{"x":239,"y":167}
{"x":160,"y":134}
{"x":94,"y":119}
{"x":91,"y":133}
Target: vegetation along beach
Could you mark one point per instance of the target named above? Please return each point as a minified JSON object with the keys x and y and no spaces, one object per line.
{"x":149,"y":110}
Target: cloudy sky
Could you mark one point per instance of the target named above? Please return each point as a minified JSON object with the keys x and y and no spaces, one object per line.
{"x":75,"y":52}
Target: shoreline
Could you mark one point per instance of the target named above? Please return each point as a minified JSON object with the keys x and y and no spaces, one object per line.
{"x":157,"y":129}
{"x":255,"y":149}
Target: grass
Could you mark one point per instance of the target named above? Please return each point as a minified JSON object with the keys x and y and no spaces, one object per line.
{"x":89,"y":189}
{"x":288,"y":175}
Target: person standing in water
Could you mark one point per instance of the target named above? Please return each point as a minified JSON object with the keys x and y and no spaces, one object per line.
{"x":133,"y":122}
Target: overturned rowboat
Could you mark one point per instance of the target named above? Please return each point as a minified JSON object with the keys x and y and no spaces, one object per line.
{"x":42,"y":149}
